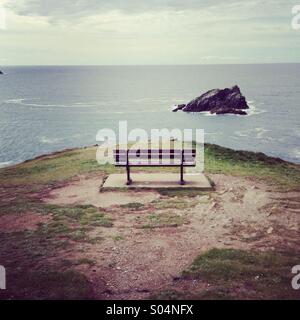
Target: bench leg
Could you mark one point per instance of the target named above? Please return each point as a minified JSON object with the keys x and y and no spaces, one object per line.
{"x":182,"y":182}
{"x":129,"y":181}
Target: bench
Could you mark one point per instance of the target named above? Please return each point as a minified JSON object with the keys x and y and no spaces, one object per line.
{"x":155,"y":158}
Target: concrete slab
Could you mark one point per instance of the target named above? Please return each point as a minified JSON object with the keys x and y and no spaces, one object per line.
{"x":157,"y":181}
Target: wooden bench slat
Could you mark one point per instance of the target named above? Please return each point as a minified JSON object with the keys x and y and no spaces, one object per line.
{"x":155,"y":158}
{"x":154,"y":151}
{"x":155,"y":165}
{"x":162,"y":163}
{"x":120,"y":155}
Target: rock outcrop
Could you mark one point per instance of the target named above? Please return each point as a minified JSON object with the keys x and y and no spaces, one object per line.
{"x":1,"y":72}
{"x":178,"y":107}
{"x":218,"y":101}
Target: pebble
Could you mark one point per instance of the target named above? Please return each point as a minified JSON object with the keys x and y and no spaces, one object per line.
{"x":270,"y":230}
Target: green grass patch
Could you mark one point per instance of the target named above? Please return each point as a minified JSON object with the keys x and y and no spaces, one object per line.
{"x":49,"y":285}
{"x":86,"y":261}
{"x":174,"y":203}
{"x":85,"y":215}
{"x":163,"y":219}
{"x":276,"y":172}
{"x":26,"y":257}
{"x":118,"y":238}
{"x":133,"y":206}
{"x":67,"y":164}
{"x":236,"y":273}
{"x":181,"y":192}
{"x":53,"y":168}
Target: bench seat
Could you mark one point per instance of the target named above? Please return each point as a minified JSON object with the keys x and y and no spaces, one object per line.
{"x":155,"y":158}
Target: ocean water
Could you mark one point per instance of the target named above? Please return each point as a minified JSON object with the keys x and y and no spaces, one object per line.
{"x":44,"y":109}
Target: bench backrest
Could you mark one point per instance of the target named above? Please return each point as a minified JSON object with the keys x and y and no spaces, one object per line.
{"x":148,"y":156}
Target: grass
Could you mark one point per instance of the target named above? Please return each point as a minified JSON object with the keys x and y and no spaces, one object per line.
{"x":30,"y":275}
{"x":48,"y":284}
{"x":54,"y":168}
{"x":27,"y":255}
{"x":181,"y":192}
{"x":67,"y":164}
{"x":163,"y":219}
{"x":72,"y":222}
{"x":85,"y":215}
{"x":132,"y":206}
{"x":175,"y":203}
{"x":227,"y":274}
{"x":118,"y":238}
{"x":247,"y":274}
{"x":85,"y":261}
{"x":274,"y":171}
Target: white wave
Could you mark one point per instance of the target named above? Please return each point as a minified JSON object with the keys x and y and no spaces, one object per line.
{"x":257,"y":133}
{"x":174,"y":107}
{"x":90,"y":104}
{"x":22,"y":102}
{"x":208,"y":114}
{"x":297,"y":132}
{"x":210,"y":133}
{"x":15,"y":101}
{"x":130,"y":112}
{"x":151,"y":100}
{"x":80,"y":106}
{"x":5,"y":164}
{"x":254,"y":110}
{"x":296,"y":153}
{"x":46,"y":140}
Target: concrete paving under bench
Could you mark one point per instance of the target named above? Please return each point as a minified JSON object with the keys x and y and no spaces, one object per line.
{"x":157,"y":181}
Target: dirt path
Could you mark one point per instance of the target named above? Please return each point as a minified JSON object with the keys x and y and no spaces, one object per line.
{"x":149,"y":245}
{"x":85,"y":190}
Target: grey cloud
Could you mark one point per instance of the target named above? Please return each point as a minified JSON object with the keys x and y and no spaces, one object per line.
{"x":64,"y":10}
{"x":59,"y":8}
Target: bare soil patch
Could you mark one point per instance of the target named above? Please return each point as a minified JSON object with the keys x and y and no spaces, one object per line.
{"x":136,"y":257}
{"x":86,"y":190}
{"x":20,"y":222}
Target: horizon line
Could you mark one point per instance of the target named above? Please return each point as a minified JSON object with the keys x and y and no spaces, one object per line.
{"x":145,"y":65}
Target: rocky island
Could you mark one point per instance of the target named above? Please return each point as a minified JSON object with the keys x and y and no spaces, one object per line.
{"x":217,"y":101}
{"x":1,"y":72}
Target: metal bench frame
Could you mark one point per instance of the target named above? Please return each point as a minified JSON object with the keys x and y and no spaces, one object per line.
{"x":187,"y":158}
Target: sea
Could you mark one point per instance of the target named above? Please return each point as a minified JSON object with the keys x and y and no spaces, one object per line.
{"x":49,"y":108}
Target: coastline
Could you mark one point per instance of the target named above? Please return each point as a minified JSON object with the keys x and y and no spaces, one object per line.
{"x":64,"y":150}
{"x":278,"y":135}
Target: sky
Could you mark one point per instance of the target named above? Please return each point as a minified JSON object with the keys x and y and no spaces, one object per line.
{"x":147,"y":32}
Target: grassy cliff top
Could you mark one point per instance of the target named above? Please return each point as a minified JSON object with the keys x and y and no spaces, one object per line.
{"x":61,"y":166}
{"x":239,"y":241}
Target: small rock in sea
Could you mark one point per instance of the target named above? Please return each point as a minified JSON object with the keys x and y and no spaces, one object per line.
{"x":217,"y":101}
{"x":178,"y":107}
